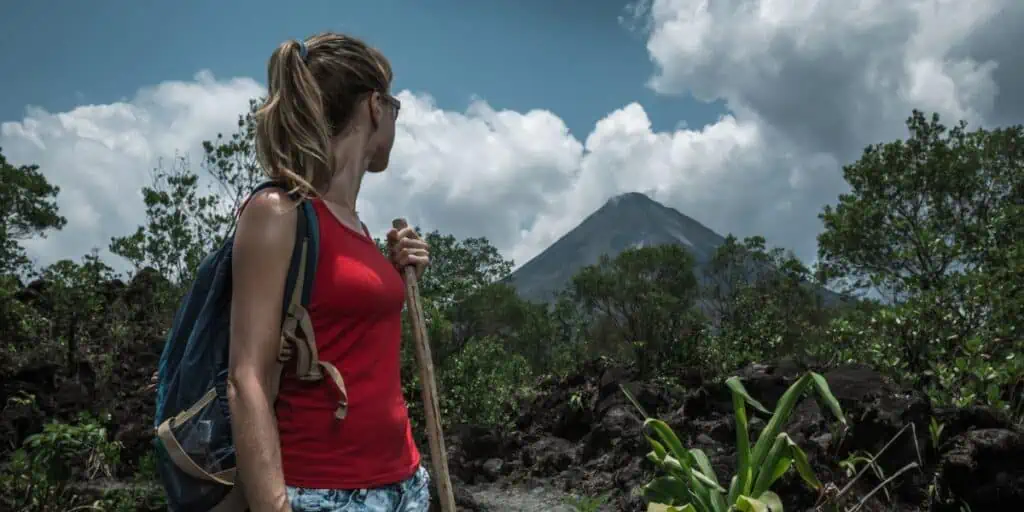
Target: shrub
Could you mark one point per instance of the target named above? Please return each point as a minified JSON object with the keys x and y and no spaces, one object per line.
{"x":38,"y":475}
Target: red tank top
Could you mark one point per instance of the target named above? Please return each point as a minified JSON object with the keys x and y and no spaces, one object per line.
{"x":356,"y":307}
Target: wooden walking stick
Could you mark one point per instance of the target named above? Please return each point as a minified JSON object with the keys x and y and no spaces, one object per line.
{"x":438,"y":454}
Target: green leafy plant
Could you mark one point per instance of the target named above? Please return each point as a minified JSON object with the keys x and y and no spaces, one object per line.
{"x":690,"y":483}
{"x":935,"y":431}
{"x":587,"y":503}
{"x":576,"y":401}
{"x":38,"y":476}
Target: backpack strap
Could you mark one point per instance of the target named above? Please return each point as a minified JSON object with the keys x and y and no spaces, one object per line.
{"x":298,"y":341}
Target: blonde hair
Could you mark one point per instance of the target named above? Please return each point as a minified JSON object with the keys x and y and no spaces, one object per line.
{"x":313,"y":88}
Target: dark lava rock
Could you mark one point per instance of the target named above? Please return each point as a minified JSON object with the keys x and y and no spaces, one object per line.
{"x":581,"y":434}
{"x":985,"y":469}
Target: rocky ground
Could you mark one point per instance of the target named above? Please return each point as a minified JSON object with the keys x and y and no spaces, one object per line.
{"x":592,"y":444}
{"x":580,"y":436}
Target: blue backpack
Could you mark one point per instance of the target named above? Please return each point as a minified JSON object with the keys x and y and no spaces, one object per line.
{"x":194,"y":443}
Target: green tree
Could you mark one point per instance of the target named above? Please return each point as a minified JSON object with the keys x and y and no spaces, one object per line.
{"x":458,"y":268}
{"x":79,"y":296}
{"x":479,"y":330}
{"x":642,"y":299}
{"x":935,"y":224}
{"x":480,"y":383}
{"x":28,"y":208}
{"x":496,"y":312}
{"x":920,"y":210}
{"x":460,"y":271}
{"x":760,"y":300}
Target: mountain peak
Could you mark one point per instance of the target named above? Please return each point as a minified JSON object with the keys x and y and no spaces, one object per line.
{"x":625,"y":221}
{"x":631,"y":198}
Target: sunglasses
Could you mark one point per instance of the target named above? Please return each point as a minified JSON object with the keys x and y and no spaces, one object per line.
{"x":393,"y":101}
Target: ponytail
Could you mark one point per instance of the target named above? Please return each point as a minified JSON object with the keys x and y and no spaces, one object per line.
{"x":292,"y":135}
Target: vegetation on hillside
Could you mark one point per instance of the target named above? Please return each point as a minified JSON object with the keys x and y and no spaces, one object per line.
{"x":928,"y":247}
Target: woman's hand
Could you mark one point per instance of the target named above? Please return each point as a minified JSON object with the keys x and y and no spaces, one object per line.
{"x":405,"y":247}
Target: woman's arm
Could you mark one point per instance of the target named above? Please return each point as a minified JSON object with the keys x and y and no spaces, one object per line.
{"x":262,"y":253}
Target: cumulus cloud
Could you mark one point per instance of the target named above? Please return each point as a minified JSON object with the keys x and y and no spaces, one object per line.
{"x":521,"y":179}
{"x":807,"y":83}
{"x":833,"y":76}
{"x":102,"y":155}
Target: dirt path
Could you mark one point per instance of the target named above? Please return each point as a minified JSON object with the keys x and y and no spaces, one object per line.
{"x":521,"y":498}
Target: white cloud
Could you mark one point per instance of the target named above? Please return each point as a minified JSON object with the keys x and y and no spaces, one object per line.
{"x":808,"y":83}
{"x":833,"y":76}
{"x":518,"y":178}
{"x":101,"y":155}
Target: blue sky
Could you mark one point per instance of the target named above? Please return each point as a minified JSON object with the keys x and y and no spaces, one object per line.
{"x":570,"y":56}
{"x":519,"y":118}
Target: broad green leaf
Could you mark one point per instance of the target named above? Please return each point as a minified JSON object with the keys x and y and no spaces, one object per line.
{"x":675,"y":447}
{"x":784,"y":462}
{"x":742,"y":446}
{"x":826,"y":394}
{"x":707,"y":481}
{"x":803,"y":466}
{"x":666,"y":489}
{"x":659,"y":507}
{"x":748,"y":504}
{"x":782,"y":412}
{"x":672,"y":464}
{"x":659,"y":449}
{"x":653,"y":457}
{"x":771,"y":500}
{"x":702,"y":501}
{"x":704,"y":464}
{"x":736,"y":386}
{"x":766,"y":471}
{"x":733,"y":489}
{"x":667,"y":436}
{"x":715,"y":496}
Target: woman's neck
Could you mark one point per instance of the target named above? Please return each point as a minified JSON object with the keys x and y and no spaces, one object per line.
{"x":343,"y":190}
{"x":351,"y":161}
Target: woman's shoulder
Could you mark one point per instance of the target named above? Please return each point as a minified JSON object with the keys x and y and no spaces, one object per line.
{"x":268,"y":216}
{"x":269,"y":201}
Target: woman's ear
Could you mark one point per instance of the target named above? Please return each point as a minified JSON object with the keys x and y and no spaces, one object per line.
{"x":375,"y":109}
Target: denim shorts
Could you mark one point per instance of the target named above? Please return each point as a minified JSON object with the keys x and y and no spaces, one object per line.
{"x":410,"y":495}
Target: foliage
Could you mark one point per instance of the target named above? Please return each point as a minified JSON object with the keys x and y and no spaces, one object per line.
{"x":641,"y":301}
{"x":934,"y":225}
{"x":37,"y":477}
{"x":79,"y":301}
{"x":29,"y":210}
{"x":480,"y":384}
{"x":690,"y":482}
{"x":475,"y":325}
{"x":496,"y":311}
{"x":761,"y":301}
{"x":462,"y":274}
{"x":926,"y":208}
{"x":587,"y":503}
{"x":20,"y":324}
{"x":954,"y":364}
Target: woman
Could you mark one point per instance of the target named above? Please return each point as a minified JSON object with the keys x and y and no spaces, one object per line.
{"x":327,"y":120}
